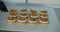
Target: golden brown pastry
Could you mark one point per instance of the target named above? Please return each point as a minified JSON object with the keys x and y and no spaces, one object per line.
{"x":34,"y":15}
{"x":33,"y":11}
{"x":43,"y":11}
{"x":23,"y":11}
{"x":13,"y":10}
{"x":11,"y":19}
{"x":23,"y":14}
{"x":33,"y":20}
{"x":22,"y":18}
{"x":44,"y":19}
{"x":13,"y":15}
{"x":44,"y":15}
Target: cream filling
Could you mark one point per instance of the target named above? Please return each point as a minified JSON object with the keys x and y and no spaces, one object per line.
{"x":34,"y":16}
{"x":32,"y":21}
{"x":43,"y":21}
{"x":12,"y":16}
{"x":44,"y":13}
{"x":43,"y":17}
{"x":13,"y":12}
{"x":23,"y":12}
{"x":11,"y":20}
{"x":21,"y":21}
{"x":23,"y":16}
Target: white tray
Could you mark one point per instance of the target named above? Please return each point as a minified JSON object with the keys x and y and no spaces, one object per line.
{"x":52,"y":26}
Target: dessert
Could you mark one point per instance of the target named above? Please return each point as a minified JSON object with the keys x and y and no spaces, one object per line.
{"x":11,"y":19}
{"x":13,"y":15}
{"x":35,"y":15}
{"x":22,"y":20}
{"x":32,"y":20}
{"x":13,"y":11}
{"x":44,"y":15}
{"x":44,"y":19}
{"x":23,"y":14}
{"x":23,"y":11}
{"x":43,"y":11}
{"x":33,"y":11}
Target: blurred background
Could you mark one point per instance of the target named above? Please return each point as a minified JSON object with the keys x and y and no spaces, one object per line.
{"x":49,"y":3}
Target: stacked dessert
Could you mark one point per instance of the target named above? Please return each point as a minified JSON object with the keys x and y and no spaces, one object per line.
{"x":23,"y":16}
{"x":44,"y":17}
{"x":33,"y":16}
{"x":12,"y":15}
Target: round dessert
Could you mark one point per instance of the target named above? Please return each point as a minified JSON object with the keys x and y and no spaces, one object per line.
{"x":43,"y":11}
{"x":11,"y":19}
{"x":22,"y":20}
{"x":44,"y":19}
{"x":23,"y":15}
{"x":13,"y":15}
{"x":44,"y":15}
{"x":33,"y":11}
{"x":34,"y":15}
{"x":32,"y":20}
{"x":13,"y":11}
{"x":23,"y":11}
